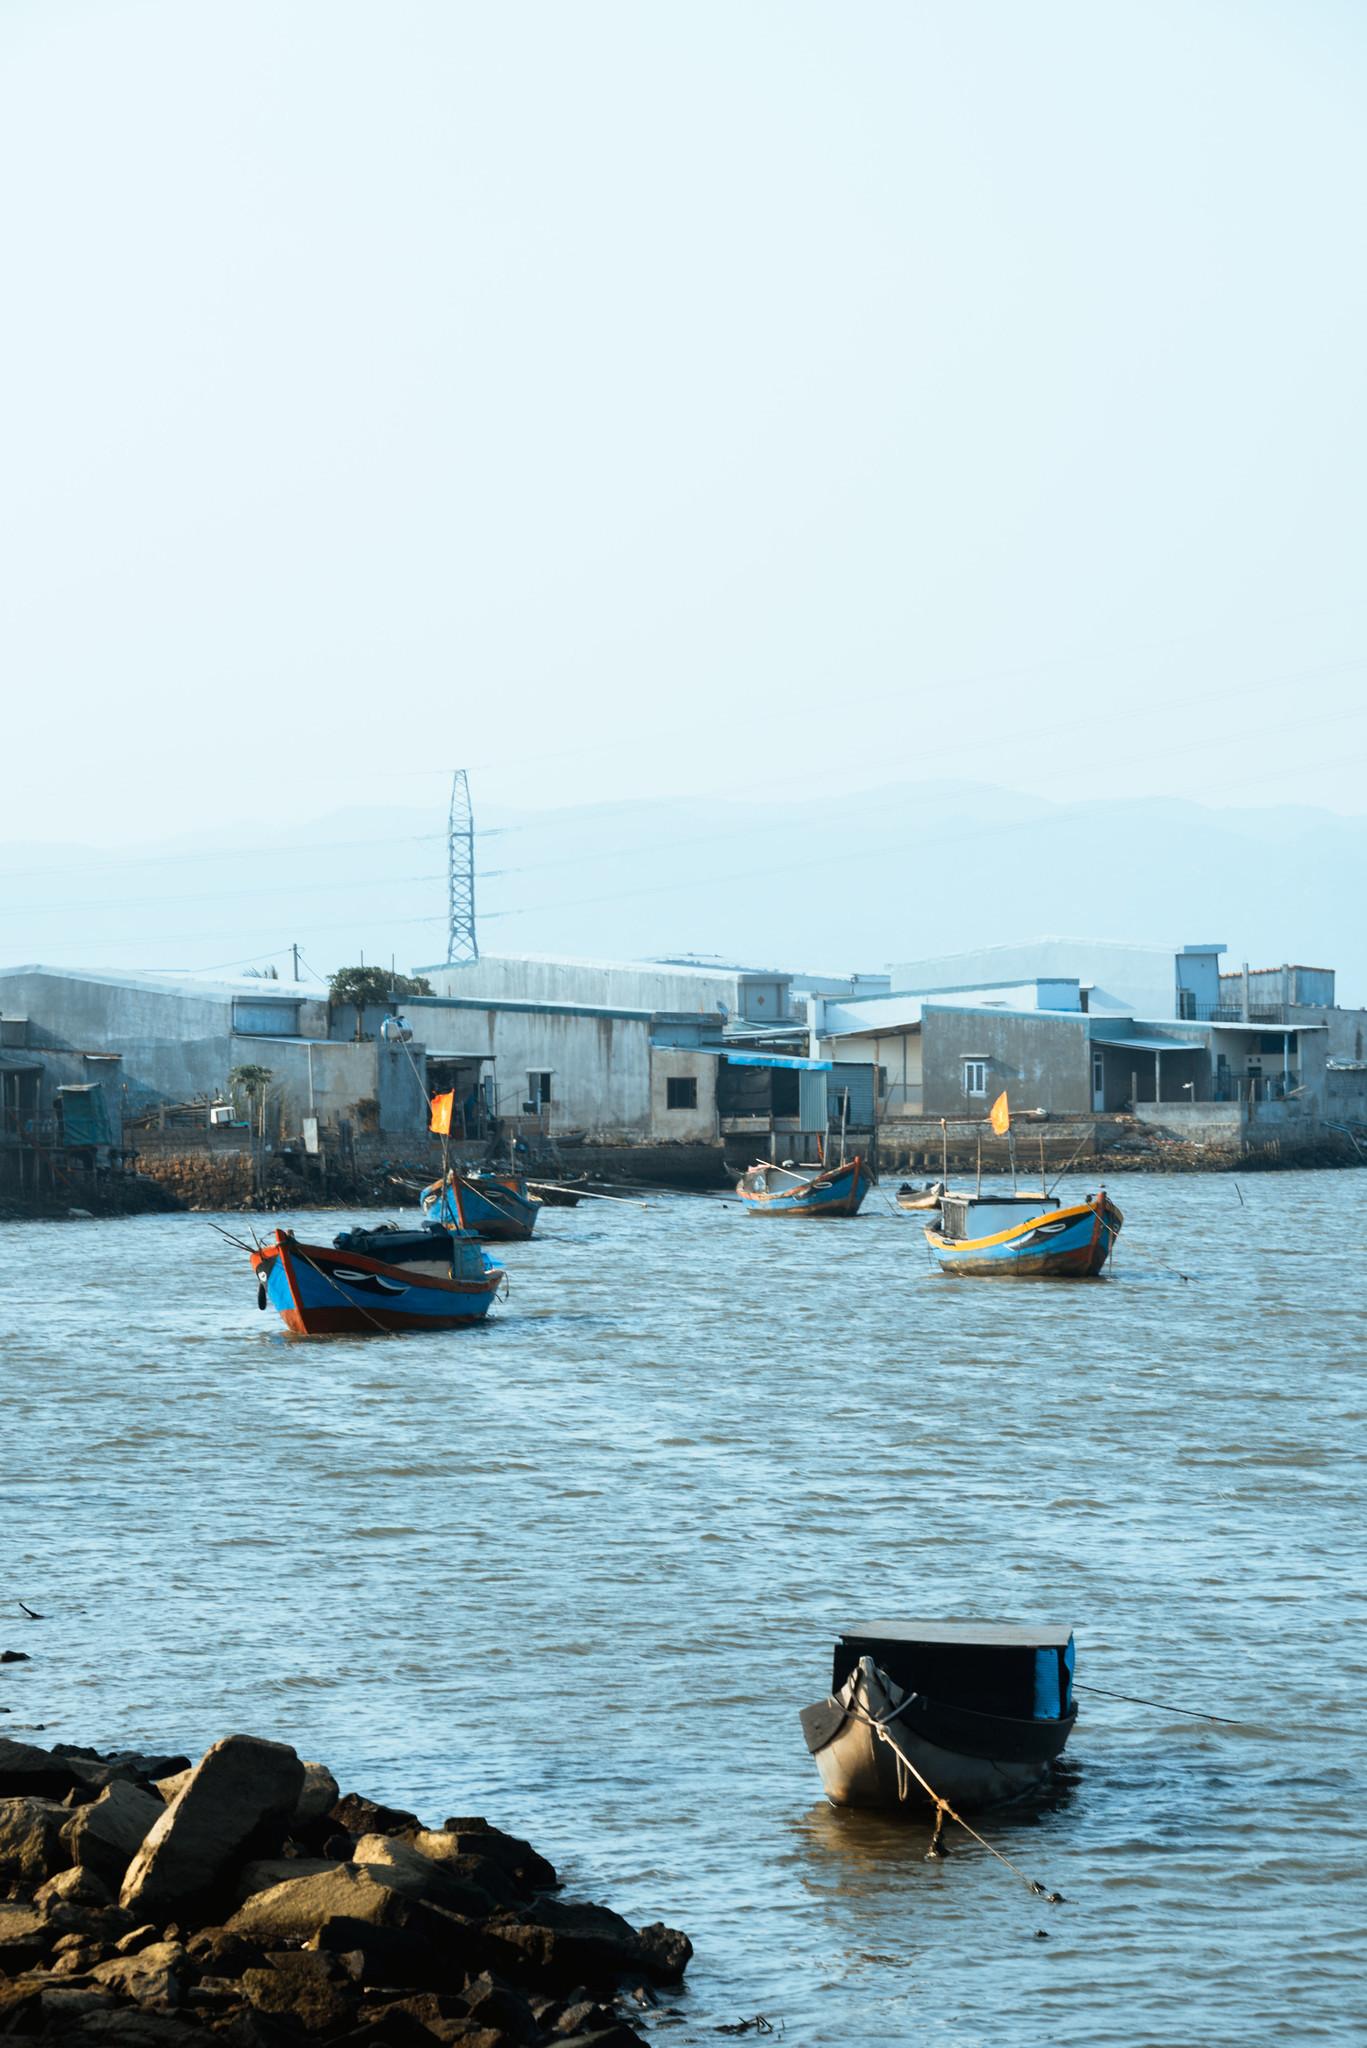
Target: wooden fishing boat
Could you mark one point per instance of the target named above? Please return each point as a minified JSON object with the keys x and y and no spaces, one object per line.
{"x":1024,"y":1237}
{"x":376,"y":1280}
{"x":769,"y":1190}
{"x":495,"y":1206}
{"x":926,"y":1197}
{"x":978,"y":1710}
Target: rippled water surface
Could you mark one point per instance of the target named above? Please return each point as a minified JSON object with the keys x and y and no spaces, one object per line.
{"x":578,"y":1570}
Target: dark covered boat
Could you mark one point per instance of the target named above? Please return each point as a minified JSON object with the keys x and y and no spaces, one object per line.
{"x":979,"y":1710}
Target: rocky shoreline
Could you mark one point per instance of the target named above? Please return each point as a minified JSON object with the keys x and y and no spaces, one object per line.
{"x":244,"y":1899}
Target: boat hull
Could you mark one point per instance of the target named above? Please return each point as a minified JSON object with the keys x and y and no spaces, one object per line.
{"x":321,"y":1292}
{"x":839,"y":1191}
{"x":974,"y":1761}
{"x":503,"y":1215}
{"x":1064,"y":1244}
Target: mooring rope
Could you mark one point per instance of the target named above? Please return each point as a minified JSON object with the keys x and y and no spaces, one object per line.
{"x":1164,"y":1706}
{"x":942,"y":1806}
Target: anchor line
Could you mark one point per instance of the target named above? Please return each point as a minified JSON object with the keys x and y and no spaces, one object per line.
{"x":942,"y":1806}
{"x":1163,"y":1706}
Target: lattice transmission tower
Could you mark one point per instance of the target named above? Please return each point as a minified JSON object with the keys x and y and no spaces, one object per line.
{"x":461,"y":943}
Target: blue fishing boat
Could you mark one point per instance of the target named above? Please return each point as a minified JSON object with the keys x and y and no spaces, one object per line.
{"x":970,"y":1712}
{"x":769,"y":1190}
{"x":370,"y":1280}
{"x":1024,"y":1237}
{"x":497,"y":1207}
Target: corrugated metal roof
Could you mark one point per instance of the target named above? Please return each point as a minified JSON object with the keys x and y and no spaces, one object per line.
{"x":1133,"y":1043}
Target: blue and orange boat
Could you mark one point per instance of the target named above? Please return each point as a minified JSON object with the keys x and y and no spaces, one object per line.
{"x":1024,"y":1237}
{"x":376,"y":1280}
{"x":497,"y":1207}
{"x":769,"y":1190}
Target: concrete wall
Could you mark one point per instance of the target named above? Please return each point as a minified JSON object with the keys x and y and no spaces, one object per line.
{"x":897,"y":1053}
{"x":689,"y":1126}
{"x":599,"y":1063}
{"x":1043,"y":1061}
{"x":176,"y":1037}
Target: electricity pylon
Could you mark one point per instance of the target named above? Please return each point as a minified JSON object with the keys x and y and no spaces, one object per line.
{"x":461,"y":943}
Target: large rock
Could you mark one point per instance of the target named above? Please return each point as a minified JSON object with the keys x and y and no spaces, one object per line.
{"x":268,"y":1871}
{"x":405,"y":1870}
{"x":356,"y":1815}
{"x":317,"y":1797}
{"x":307,"y":1990}
{"x":29,"y":1772}
{"x":405,"y":1941}
{"x":298,"y":1908}
{"x":31,"y":1845}
{"x":156,"y":1975}
{"x":234,"y":1805}
{"x":74,"y":1887}
{"x":559,"y":1945}
{"x":528,"y":1872}
{"x":105,"y":1834}
{"x":24,"y":1938}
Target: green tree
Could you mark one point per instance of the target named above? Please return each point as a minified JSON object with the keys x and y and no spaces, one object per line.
{"x":253,"y":1082}
{"x":362,"y":985}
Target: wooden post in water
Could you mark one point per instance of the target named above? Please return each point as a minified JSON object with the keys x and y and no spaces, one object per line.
{"x":978,"y":1190}
{"x":1043,"y":1176}
{"x":944,"y":1149}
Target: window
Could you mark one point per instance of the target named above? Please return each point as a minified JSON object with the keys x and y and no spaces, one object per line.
{"x":539,"y":1090}
{"x":975,"y":1077}
{"x":681,"y":1091}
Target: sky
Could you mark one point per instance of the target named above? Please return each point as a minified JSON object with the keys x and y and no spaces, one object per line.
{"x":653,"y":402}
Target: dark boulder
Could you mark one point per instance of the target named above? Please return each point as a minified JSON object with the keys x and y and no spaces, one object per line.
{"x":31,"y":1845}
{"x":526,"y":1870}
{"x":24,"y":1938}
{"x":304,"y":1990}
{"x":557,"y":1945}
{"x":493,"y":2003}
{"x":355,"y":1815}
{"x":105,"y":1834}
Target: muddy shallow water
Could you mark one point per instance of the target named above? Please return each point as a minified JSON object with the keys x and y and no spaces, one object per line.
{"x":578,"y":1570}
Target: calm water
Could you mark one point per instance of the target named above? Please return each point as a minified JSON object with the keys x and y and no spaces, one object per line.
{"x":577,"y":1571}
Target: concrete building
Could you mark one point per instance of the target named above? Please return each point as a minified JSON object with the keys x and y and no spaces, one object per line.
{"x":177,"y":1040}
{"x":1215,"y":1062}
{"x":1122,"y":980}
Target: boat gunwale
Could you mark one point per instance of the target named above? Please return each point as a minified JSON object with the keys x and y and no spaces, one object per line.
{"x":287,"y":1245}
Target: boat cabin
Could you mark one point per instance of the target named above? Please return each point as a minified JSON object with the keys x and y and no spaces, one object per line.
{"x":1022,"y":1673}
{"x":985,"y":1215}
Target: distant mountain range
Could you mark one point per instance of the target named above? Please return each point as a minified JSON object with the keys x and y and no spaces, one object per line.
{"x":894,"y":873}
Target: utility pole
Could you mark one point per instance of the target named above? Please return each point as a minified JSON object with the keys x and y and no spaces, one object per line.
{"x":295,"y":951}
{"x":461,"y":943}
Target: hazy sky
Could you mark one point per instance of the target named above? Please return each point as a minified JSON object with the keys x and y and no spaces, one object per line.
{"x":647,"y":399}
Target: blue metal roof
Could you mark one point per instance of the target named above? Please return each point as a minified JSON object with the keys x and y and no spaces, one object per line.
{"x":777,"y":1059}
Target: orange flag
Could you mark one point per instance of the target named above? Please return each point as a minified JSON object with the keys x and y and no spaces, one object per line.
{"x":442,"y":1105}
{"x":999,"y":1116}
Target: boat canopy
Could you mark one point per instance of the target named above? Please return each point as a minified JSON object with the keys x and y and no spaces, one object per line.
{"x":1022,"y":1671}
